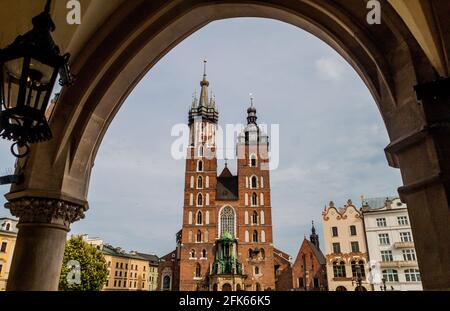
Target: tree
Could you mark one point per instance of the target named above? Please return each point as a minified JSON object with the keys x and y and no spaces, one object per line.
{"x":84,"y":267}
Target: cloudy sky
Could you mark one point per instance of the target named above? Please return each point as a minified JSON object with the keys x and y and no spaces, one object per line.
{"x":331,"y":134}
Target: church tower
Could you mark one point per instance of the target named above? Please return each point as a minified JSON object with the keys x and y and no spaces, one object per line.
{"x":227,"y":223}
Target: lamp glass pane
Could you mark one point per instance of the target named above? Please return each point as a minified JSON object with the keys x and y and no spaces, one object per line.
{"x":11,"y":77}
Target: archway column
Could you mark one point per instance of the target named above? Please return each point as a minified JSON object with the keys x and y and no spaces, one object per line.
{"x":39,"y":250}
{"x":424,"y":159}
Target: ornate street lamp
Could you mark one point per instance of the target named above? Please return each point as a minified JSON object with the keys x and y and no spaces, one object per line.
{"x":29,"y":68}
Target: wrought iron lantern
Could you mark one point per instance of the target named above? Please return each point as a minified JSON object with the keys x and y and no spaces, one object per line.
{"x":29,"y":69}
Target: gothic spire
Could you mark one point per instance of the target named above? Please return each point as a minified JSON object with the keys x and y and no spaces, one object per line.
{"x":204,"y":101}
{"x":314,"y":238}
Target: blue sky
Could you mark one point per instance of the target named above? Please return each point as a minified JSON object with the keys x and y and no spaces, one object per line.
{"x":331,"y":134}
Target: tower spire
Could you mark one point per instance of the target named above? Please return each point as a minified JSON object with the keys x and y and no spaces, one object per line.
{"x":314,"y":238}
{"x":251,"y":112}
{"x":204,"y":101}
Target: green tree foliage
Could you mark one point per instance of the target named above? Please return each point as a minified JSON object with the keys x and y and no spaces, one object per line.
{"x":84,"y":267}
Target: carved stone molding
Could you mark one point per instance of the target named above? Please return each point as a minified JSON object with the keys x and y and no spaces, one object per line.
{"x":45,"y":210}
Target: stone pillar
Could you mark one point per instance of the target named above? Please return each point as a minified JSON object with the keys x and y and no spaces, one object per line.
{"x":38,"y":254}
{"x":424,"y":159}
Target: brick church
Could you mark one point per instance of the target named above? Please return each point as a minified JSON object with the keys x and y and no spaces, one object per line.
{"x":226,"y":239}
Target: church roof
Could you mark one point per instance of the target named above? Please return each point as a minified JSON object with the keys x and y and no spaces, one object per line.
{"x":227,"y":186}
{"x":317,"y":252}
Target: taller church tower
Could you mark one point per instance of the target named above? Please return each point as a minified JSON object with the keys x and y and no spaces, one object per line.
{"x":227,"y":224}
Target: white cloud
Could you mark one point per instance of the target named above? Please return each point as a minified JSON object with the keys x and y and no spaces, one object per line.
{"x":330,"y":68}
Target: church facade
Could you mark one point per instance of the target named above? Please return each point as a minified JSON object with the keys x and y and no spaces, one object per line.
{"x":226,"y":238}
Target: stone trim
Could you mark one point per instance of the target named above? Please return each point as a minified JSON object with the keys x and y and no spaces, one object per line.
{"x":46,"y":210}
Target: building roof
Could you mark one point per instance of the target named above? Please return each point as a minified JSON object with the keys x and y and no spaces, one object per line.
{"x":151,"y":258}
{"x":227,"y":186}
{"x":378,"y":203}
{"x":281,"y":254}
{"x":317,"y":252}
{"x":118,"y":252}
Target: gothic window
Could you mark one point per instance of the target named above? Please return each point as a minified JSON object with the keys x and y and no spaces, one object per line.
{"x":254,"y":199}
{"x":200,"y":166}
{"x":204,"y":253}
{"x":200,"y":151}
{"x":253,"y":160}
{"x":190,"y":236}
{"x":190,"y":218}
{"x":263,"y":253}
{"x":255,"y":236}
{"x":227,"y":220}
{"x":263,"y":236}
{"x":199,"y":236}
{"x":199,"y":182}
{"x":198,"y":271}
{"x":255,"y":218}
{"x":254,"y":182}
{"x":199,"y":218}
{"x":199,"y":199}
{"x":262,"y":182}
{"x":192,"y":254}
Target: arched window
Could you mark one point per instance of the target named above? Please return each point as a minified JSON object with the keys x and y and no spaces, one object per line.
{"x":207,"y":199}
{"x":256,"y":270}
{"x":250,"y":253}
{"x":358,"y":268}
{"x":263,"y":236}
{"x":190,"y":218}
{"x":192,"y":253}
{"x":253,"y":162}
{"x":255,"y":236}
{"x":199,"y":199}
{"x":263,"y":253}
{"x":199,"y":218}
{"x":262,"y":182}
{"x":206,"y":236}
{"x":8,"y":226}
{"x":226,"y":220}
{"x":198,"y":271}
{"x":254,"y":199}
{"x":207,"y":218}
{"x":204,"y":253}
{"x":207,"y":182}
{"x":246,"y":199}
{"x":191,"y":199}
{"x":192,"y":182}
{"x":200,"y":151}
{"x":199,"y":182}
{"x":199,"y":236}
{"x":254,"y":182}
{"x":262,"y":218}
{"x":246,"y":217}
{"x":255,"y":218}
{"x":200,"y":166}
{"x":166,"y":282}
{"x":339,"y":269}
{"x":261,"y":198}
{"x":247,"y":236}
